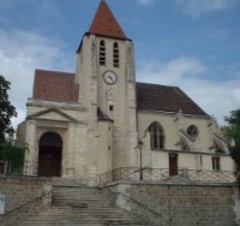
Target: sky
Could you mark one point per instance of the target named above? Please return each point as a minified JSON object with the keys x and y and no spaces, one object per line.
{"x":192,"y":44}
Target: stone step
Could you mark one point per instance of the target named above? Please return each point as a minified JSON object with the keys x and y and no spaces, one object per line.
{"x":74,"y":193}
{"x":85,"y":212}
{"x":69,"y":223}
{"x":67,"y":209}
{"x":74,"y":196}
{"x":82,"y":206}
{"x":82,"y":222}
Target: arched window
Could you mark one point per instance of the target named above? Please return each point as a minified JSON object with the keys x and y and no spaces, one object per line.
{"x":156,"y":136}
{"x":115,"y":55}
{"x":102,"y":53}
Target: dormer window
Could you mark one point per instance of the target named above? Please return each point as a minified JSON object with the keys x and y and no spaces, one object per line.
{"x":102,"y":53}
{"x":115,"y":55}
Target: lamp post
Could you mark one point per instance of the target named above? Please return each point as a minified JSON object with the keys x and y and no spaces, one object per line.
{"x":140,"y":146}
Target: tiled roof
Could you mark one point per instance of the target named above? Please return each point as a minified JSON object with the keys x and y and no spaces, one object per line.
{"x":105,"y":23}
{"x":165,"y":98}
{"x":55,"y":86}
{"x":60,"y":86}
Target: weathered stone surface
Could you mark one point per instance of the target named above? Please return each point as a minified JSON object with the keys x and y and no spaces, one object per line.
{"x":24,"y":196}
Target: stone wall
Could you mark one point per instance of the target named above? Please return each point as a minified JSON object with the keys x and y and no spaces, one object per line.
{"x":178,"y":204}
{"x":23,"y":195}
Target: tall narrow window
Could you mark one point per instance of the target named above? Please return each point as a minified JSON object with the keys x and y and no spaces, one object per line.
{"x":156,"y":136}
{"x":173,"y":164}
{"x":115,"y":55}
{"x":216,"y":163}
{"x":102,"y":53}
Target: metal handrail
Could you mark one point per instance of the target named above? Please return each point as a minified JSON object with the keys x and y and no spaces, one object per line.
{"x":163,"y":175}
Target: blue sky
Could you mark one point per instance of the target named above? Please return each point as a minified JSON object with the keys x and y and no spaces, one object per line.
{"x":193,"y":44}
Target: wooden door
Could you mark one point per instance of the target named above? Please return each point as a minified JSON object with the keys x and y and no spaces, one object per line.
{"x":50,"y":155}
{"x":173,"y":164}
{"x":49,"y":162}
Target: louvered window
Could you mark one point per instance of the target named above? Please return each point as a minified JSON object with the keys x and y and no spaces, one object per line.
{"x":115,"y":55}
{"x":102,"y":53}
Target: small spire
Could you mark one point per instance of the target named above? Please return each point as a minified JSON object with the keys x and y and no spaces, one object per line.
{"x":105,"y":23}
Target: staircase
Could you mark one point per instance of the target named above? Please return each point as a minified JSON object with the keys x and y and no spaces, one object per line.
{"x":83,"y":206}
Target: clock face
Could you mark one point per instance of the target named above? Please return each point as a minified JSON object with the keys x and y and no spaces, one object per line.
{"x":110,"y":77}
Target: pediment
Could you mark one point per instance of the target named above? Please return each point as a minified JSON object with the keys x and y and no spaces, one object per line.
{"x":52,"y":114}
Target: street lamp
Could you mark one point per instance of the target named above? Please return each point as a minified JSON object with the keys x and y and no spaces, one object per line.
{"x":140,"y":146}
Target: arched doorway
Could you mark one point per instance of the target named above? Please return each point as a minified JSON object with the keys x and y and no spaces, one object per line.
{"x":50,"y":155}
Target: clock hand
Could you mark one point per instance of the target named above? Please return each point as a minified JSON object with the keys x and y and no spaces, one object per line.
{"x":110,"y":78}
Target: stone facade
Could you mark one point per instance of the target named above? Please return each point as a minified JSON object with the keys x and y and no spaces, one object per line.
{"x":99,"y":123}
{"x":178,"y":204}
{"x":199,"y":155}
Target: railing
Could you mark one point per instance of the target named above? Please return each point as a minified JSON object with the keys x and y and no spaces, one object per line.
{"x":6,"y":168}
{"x":159,"y":174}
{"x":30,"y":168}
{"x":139,"y":206}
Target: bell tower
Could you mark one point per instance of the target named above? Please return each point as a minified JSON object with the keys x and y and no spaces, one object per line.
{"x":106,"y":75}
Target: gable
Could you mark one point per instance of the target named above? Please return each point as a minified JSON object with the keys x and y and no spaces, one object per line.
{"x":53,"y":115}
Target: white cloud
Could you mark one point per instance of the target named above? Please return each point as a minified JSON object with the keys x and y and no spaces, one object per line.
{"x":21,"y":53}
{"x":199,"y":7}
{"x":174,"y":70}
{"x":146,"y":2}
{"x":217,"y":98}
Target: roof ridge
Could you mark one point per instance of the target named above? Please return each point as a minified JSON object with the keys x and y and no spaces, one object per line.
{"x":53,"y":71}
{"x":154,"y":84}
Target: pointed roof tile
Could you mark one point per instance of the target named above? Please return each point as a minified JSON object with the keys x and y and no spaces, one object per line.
{"x":105,"y":23}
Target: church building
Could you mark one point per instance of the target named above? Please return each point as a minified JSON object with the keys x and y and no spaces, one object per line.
{"x":98,"y":119}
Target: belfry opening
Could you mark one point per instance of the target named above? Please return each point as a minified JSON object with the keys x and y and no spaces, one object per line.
{"x":50,"y":155}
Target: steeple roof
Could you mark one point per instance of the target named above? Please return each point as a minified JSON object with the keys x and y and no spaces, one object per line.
{"x":105,"y":23}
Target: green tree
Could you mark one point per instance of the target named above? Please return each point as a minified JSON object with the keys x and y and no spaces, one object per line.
{"x":233,"y":132}
{"x":11,"y":157}
{"x":7,"y":110}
